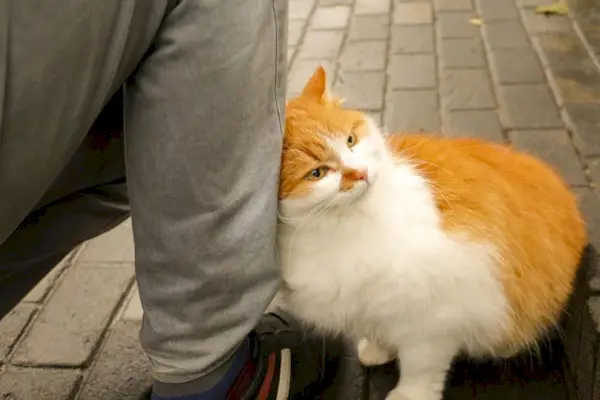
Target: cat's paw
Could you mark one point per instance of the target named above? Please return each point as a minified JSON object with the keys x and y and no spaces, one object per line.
{"x":413,"y":393}
{"x":371,"y":354}
{"x":395,"y":395}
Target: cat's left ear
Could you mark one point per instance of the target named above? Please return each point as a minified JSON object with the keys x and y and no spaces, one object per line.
{"x":316,"y":88}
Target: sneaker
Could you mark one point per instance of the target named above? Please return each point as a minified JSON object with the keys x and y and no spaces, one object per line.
{"x":286,"y":362}
{"x":292,"y":362}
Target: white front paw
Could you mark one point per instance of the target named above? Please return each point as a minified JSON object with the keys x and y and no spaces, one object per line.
{"x":395,"y":395}
{"x":371,"y":354}
{"x":413,"y":393}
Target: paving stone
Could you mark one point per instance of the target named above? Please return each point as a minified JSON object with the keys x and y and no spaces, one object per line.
{"x":302,"y":70}
{"x":574,"y":86}
{"x":461,"y":53}
{"x":594,"y":169}
{"x":456,"y":25}
{"x":556,"y":148}
{"x":539,"y":23}
{"x":466,"y":89}
{"x":483,"y":124}
{"x":412,"y":39}
{"x":133,"y":310}
{"x":535,"y":3}
{"x":369,"y":7}
{"x":588,"y":23}
{"x":413,"y":13}
{"x":587,"y":121}
{"x":589,"y":206}
{"x":575,"y":73}
{"x":362,"y":90}
{"x":528,"y":106}
{"x":416,"y":71}
{"x":295,"y":31}
{"x":321,"y":45}
{"x":578,"y":81}
{"x":336,"y":17}
{"x":505,"y":35}
{"x":364,"y":56}
{"x":369,"y":27}
{"x":300,"y":9}
{"x":122,"y":370}
{"x":412,"y":111}
{"x":114,"y":246}
{"x":66,"y":331}
{"x":375,"y":116}
{"x":37,"y":294}
{"x":38,"y":384}
{"x":508,"y":70}
{"x":327,"y":3}
{"x":11,"y":327}
{"x":453,"y":5}
{"x":491,"y":10}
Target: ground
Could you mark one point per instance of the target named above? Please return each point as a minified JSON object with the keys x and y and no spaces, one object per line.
{"x":508,"y":75}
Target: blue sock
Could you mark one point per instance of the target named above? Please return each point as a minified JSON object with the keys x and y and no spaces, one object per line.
{"x":221,"y":389}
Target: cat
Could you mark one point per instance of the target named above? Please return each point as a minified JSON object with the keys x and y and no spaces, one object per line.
{"x":417,"y":246}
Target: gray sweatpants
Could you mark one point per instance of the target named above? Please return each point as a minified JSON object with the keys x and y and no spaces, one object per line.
{"x":204,"y":100}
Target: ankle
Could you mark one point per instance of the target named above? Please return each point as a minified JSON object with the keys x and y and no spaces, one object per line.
{"x":214,"y":385}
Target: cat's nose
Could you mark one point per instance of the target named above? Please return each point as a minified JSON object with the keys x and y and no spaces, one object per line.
{"x":361,"y":174}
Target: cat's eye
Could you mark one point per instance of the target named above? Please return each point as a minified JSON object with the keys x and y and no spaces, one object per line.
{"x":317,"y":173}
{"x":351,"y":140}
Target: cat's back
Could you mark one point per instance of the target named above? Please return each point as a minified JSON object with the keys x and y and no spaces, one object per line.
{"x":496,"y":194}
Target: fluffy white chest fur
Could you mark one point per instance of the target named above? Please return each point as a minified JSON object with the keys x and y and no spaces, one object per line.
{"x":382,"y":269}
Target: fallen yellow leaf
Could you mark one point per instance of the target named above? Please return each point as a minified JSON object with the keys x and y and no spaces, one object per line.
{"x":475,"y":21}
{"x":553,"y":9}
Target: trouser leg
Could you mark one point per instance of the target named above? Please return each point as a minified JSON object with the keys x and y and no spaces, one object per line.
{"x":88,"y":198}
{"x":60,"y":63}
{"x":203,"y":137}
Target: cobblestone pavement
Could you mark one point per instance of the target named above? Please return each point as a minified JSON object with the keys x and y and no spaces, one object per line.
{"x":519,"y":78}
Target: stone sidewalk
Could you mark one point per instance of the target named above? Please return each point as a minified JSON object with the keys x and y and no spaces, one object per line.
{"x":519,"y":78}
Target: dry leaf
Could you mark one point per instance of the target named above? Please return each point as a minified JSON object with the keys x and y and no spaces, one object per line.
{"x":475,"y":21}
{"x":554,"y":9}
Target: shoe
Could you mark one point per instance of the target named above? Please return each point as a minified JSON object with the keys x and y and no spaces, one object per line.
{"x":285,"y":362}
{"x":292,"y":362}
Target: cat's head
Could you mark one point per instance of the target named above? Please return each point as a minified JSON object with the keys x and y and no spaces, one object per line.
{"x":331,"y":155}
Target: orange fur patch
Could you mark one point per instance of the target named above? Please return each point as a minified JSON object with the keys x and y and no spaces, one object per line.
{"x":514,"y":201}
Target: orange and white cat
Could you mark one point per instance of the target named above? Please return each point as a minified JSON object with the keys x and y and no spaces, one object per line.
{"x":418,"y":246}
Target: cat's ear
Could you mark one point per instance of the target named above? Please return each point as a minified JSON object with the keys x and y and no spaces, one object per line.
{"x":316,"y":88}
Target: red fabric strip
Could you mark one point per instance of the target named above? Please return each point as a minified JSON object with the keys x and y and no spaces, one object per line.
{"x":265,"y":389}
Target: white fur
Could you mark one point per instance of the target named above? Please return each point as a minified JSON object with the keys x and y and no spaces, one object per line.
{"x":375,"y":265}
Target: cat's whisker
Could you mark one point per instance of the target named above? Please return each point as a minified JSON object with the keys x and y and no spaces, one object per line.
{"x":425,"y":137}
{"x":423,"y":162}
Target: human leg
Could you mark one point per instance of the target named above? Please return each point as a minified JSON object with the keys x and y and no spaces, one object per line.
{"x":203,"y":137}
{"x":88,"y":198}
{"x":214,"y":287}
{"x":56,"y":75}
